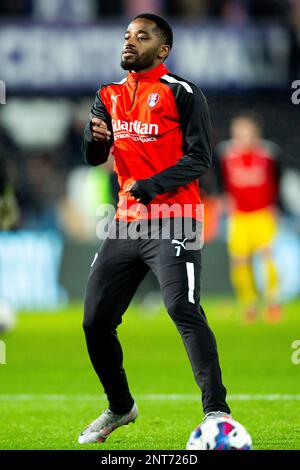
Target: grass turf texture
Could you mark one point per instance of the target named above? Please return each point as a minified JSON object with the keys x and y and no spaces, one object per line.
{"x":49,"y":391}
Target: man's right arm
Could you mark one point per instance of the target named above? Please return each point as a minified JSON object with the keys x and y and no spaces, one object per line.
{"x":97,"y":136}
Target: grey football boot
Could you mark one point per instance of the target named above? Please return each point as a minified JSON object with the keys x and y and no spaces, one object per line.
{"x":106,"y":423}
{"x":217,"y":414}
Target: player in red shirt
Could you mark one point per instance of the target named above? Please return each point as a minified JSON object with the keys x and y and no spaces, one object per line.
{"x":249,"y":168}
{"x":158,"y":129}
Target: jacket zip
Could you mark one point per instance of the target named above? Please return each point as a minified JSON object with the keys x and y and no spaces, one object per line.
{"x":134,"y":93}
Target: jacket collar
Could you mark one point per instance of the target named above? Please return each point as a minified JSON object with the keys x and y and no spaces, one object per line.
{"x":150,"y":75}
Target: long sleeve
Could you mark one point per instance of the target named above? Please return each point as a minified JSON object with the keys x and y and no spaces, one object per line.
{"x":196,"y":128}
{"x":94,"y":152}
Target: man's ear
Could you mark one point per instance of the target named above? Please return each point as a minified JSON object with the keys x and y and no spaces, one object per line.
{"x":163,"y":52}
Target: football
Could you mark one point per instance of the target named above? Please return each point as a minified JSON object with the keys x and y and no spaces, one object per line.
{"x":220,"y":434}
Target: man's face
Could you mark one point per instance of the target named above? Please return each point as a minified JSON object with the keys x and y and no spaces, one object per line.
{"x":244,"y":132}
{"x":143,"y":46}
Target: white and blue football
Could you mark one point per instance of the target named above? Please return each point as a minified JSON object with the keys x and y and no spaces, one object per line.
{"x":220,"y":434}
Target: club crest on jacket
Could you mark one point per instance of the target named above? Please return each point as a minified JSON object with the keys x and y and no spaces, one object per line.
{"x":153,"y":99}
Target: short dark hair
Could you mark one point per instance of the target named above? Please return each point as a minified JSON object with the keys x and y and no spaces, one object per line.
{"x":163,"y":26}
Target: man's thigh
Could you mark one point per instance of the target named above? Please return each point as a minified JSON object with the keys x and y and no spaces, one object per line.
{"x":176,"y":262}
{"x":115,"y":274}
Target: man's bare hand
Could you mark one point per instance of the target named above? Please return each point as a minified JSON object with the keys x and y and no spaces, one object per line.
{"x":100,"y":131}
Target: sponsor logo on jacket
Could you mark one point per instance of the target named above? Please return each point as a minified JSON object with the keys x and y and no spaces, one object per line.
{"x":136,"y":127}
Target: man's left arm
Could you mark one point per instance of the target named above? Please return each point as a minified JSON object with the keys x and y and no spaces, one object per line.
{"x":196,"y":127}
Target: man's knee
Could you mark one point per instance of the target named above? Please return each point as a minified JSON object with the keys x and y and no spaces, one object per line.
{"x":174,"y":309}
{"x":97,"y":315}
{"x":101,"y":314}
{"x":185,"y":314}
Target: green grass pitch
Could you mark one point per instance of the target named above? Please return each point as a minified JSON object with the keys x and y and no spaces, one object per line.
{"x":49,"y":391}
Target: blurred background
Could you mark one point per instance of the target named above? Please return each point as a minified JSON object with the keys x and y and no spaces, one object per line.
{"x":244,"y":54}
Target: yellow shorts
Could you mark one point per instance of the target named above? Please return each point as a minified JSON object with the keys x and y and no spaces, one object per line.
{"x":249,"y":232}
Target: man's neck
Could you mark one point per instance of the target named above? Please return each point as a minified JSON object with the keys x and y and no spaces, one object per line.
{"x":147,"y":69}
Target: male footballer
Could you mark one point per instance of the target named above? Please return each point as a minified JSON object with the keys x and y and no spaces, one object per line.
{"x":249,"y":167}
{"x":157,"y":127}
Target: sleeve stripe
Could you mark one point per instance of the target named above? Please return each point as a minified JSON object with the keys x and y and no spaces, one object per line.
{"x":170,"y":79}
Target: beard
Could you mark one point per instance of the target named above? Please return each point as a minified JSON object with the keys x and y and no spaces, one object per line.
{"x":137,"y":62}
